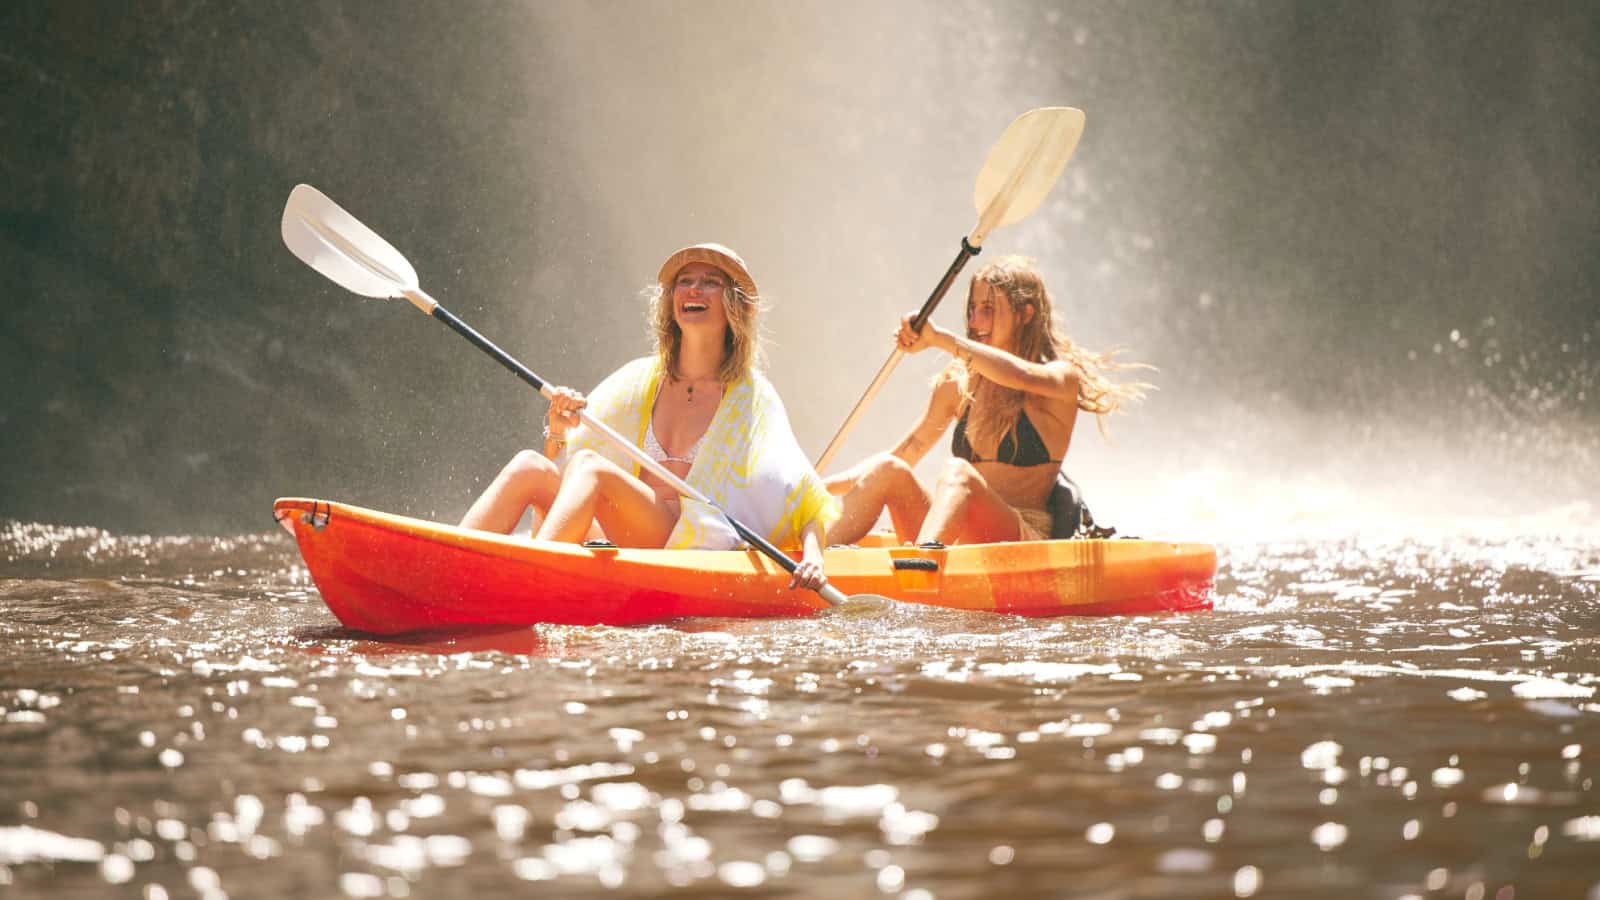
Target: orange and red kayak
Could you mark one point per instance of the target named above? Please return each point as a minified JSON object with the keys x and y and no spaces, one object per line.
{"x":388,"y":574}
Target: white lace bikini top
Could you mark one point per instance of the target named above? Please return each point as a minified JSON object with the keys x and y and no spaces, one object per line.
{"x":653,"y":448}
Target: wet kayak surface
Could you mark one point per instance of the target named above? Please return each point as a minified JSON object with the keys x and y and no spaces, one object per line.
{"x":1406,"y":716}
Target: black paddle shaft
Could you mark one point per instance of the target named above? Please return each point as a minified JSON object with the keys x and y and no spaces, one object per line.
{"x":488,"y":346}
{"x":967,"y":252}
{"x":528,"y":375}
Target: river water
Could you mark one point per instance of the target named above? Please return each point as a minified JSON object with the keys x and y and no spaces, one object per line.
{"x":1382,"y":717}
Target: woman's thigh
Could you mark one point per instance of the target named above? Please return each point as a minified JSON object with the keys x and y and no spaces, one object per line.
{"x":629,"y":511}
{"x":984,"y":516}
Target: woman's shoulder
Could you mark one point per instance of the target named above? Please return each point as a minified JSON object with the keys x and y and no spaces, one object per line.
{"x":1062,"y":400}
{"x":757,"y":383}
{"x":948,"y":378}
{"x":947,"y":387}
{"x":630,"y":376}
{"x":1062,"y":376}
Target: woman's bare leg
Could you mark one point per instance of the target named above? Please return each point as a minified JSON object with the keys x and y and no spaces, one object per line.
{"x":529,"y":479}
{"x":966,"y":510}
{"x":877,"y":482}
{"x":595,"y":489}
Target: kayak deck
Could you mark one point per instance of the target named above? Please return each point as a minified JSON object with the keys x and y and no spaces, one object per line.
{"x":389,"y":574}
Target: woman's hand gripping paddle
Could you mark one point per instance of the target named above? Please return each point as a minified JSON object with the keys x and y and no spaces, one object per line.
{"x":1021,"y":169}
{"x":335,"y":243}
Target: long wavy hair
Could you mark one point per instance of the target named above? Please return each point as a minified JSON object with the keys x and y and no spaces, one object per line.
{"x":741,"y":342}
{"x":994,"y":409}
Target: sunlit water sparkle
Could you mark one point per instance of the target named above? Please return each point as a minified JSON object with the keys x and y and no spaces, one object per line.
{"x":1361,"y":716}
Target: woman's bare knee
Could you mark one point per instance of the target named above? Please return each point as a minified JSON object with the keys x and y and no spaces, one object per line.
{"x":886,"y":475}
{"x":528,"y":462}
{"x":585,"y":461}
{"x":959,"y":475}
{"x":592,"y":472}
{"x":890,"y":469}
{"x":528,"y":479}
{"x":959,"y":483}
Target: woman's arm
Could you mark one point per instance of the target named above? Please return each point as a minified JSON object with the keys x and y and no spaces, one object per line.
{"x":563,"y":417}
{"x":1057,"y":379}
{"x":808,"y":574}
{"x":943,"y":405}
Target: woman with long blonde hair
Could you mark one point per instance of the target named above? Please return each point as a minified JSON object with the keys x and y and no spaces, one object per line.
{"x":700,"y":407}
{"x":1013,"y":389}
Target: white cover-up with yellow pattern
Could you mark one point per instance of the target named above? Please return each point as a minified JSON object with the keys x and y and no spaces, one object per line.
{"x":750,"y":464}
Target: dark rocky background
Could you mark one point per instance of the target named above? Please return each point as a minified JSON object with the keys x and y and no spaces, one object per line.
{"x":1358,"y":239}
{"x":171,"y":366}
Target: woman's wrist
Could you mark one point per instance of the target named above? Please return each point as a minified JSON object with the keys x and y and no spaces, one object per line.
{"x":811,"y":544}
{"x":559,"y":438}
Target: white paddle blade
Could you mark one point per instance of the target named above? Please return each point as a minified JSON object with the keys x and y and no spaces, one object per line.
{"x":1024,"y":165}
{"x":335,"y":243}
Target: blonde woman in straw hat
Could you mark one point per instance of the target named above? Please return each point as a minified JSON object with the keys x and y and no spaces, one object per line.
{"x":1013,"y":389}
{"x":698,"y":406}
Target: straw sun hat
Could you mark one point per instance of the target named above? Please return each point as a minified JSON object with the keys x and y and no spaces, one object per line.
{"x":711,"y":254}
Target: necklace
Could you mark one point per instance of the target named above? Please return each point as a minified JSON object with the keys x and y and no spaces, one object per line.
{"x":689,"y":385}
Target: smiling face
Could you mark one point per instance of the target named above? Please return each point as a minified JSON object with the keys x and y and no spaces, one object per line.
{"x":699,"y":297}
{"x":991,"y":318}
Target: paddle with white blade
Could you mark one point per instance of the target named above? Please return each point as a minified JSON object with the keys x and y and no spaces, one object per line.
{"x":335,"y":243}
{"x":1021,"y":169}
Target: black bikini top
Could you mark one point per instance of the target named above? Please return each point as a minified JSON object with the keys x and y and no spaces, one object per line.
{"x":1023,"y":447}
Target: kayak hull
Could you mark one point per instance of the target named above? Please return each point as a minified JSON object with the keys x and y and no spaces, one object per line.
{"x":388,"y":574}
